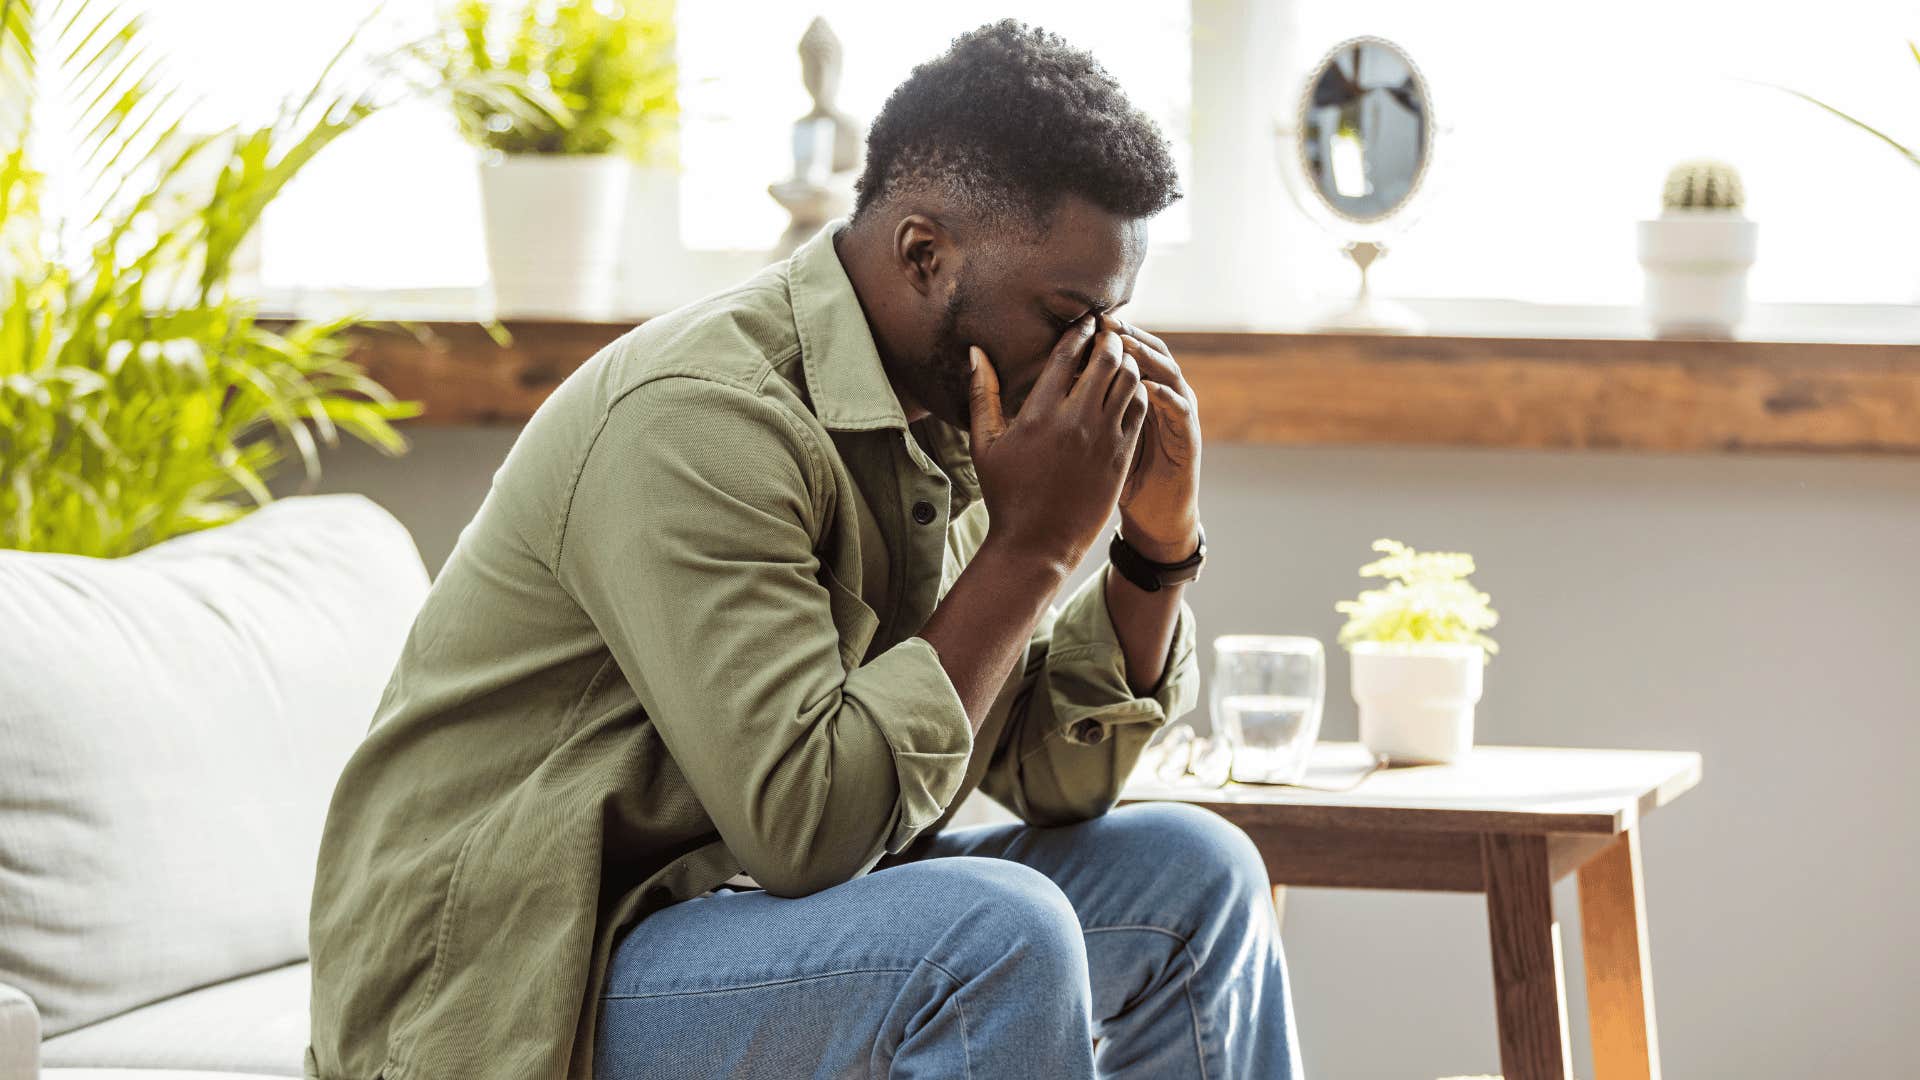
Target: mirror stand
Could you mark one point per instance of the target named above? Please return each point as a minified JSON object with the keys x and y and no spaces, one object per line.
{"x":1367,"y":313}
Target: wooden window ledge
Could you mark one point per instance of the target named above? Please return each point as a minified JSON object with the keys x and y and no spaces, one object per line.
{"x":1342,"y":389}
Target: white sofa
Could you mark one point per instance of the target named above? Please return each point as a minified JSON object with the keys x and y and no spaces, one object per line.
{"x":171,"y":727}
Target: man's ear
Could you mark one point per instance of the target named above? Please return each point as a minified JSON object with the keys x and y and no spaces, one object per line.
{"x":924,"y":253}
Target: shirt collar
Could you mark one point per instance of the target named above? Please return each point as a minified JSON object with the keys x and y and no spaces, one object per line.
{"x":848,"y":385}
{"x":842,"y":366}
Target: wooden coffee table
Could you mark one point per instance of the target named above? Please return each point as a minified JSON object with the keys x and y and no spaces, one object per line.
{"x":1509,"y":822}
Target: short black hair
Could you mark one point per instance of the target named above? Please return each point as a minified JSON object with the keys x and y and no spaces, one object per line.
{"x":1010,"y":119}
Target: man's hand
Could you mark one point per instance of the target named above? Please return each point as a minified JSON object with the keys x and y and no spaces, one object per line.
{"x":1050,"y":479}
{"x":1053,"y":475}
{"x":1160,"y":500}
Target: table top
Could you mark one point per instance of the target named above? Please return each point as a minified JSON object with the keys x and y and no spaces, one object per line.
{"x":1513,"y":789}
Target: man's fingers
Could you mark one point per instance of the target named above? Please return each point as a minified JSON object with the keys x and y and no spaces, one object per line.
{"x":1103,"y":363}
{"x":985,"y":423}
{"x":1063,"y":364}
{"x":1157,"y":366}
{"x":1133,"y":331}
{"x":1133,"y":426}
{"x":1123,"y":384}
{"x":1170,"y":422}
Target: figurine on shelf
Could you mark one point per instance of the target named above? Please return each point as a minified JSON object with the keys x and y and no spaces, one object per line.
{"x":827,"y":145}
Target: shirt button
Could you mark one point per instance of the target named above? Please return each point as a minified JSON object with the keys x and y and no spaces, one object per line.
{"x":923,"y":512}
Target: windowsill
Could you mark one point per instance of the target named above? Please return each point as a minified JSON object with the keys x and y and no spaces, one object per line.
{"x":1444,"y":317}
{"x":1497,"y":387}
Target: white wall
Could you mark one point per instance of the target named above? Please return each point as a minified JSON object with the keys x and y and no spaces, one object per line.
{"x":1758,"y":610}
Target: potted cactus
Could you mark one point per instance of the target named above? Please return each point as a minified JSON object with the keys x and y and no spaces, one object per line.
{"x":1418,"y":650}
{"x":1697,"y":252}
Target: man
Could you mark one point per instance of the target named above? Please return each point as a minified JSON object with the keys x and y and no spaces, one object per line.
{"x":658,"y":786}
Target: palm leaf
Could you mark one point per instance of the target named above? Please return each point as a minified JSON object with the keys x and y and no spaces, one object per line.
{"x":1913,"y":48}
{"x":1898,"y":147}
{"x":138,"y":399}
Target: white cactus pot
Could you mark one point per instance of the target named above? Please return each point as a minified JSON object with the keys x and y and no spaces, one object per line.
{"x":1416,"y":699}
{"x":1696,"y":264}
{"x":553,"y":227}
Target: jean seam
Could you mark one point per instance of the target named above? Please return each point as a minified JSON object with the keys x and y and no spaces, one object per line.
{"x":762,"y":985}
{"x":1186,"y":987}
{"x":960,"y":986}
{"x":966,"y":1051}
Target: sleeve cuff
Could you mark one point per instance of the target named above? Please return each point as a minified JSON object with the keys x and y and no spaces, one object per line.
{"x":1087,"y":670}
{"x":909,"y":697}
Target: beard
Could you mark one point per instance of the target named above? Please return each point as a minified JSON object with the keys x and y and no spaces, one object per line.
{"x":940,"y":379}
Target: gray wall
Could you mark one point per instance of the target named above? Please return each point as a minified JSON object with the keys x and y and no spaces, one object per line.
{"x":1758,"y":610}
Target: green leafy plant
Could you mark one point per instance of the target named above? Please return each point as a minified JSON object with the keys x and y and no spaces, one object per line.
{"x":587,"y":76}
{"x":1899,"y":148}
{"x":138,"y":399}
{"x":1427,"y":599}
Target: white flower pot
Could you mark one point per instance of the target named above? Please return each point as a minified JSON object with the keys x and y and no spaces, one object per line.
{"x":1696,"y":264}
{"x":553,"y":226}
{"x":1416,"y":700}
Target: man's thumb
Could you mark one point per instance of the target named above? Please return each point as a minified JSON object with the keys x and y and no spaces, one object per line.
{"x":984,"y":417}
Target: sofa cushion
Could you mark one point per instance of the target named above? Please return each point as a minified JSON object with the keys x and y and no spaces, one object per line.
{"x":256,"y":1024}
{"x":173,"y":724}
{"x":19,"y":1035}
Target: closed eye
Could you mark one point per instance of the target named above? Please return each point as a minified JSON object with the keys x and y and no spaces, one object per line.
{"x":1062,"y":324}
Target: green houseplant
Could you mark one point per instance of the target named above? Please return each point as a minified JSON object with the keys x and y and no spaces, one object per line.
{"x":558,"y":163}
{"x":139,"y":398}
{"x":1419,"y":647}
{"x":1898,"y":147}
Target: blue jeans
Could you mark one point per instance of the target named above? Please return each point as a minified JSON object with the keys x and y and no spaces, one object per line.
{"x":998,"y":955}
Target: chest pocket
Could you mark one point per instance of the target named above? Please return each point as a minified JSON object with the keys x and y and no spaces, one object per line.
{"x":851,"y":616}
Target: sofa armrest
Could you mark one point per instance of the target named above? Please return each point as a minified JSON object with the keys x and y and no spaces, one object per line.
{"x":19,"y":1036}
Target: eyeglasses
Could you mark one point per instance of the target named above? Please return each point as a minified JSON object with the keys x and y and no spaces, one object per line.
{"x":1179,"y":757}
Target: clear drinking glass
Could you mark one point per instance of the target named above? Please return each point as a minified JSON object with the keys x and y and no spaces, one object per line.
{"x":1266,"y":698}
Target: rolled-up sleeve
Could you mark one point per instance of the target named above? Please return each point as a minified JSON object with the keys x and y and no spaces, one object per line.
{"x":689,"y":540}
{"x":1076,"y":728}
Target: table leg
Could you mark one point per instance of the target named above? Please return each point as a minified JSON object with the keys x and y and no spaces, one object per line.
{"x":1529,"y":987}
{"x":1613,"y":932}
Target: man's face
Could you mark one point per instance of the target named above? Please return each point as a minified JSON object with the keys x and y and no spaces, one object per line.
{"x":1015,"y":300}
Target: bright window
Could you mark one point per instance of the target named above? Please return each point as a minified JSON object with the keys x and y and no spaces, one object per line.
{"x":1566,"y":118}
{"x":741,"y":88}
{"x":1563,"y":121}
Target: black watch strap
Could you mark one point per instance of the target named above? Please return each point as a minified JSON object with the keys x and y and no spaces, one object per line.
{"x":1154,"y":576}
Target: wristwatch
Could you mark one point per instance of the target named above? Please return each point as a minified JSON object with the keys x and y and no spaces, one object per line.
{"x":1154,"y":576}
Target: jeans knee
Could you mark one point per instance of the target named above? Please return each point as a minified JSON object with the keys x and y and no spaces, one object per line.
{"x":1008,"y":902}
{"x":1200,"y":845}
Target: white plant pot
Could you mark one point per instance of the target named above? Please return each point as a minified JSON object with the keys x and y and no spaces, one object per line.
{"x":1696,"y":264}
{"x":553,"y":228}
{"x":1416,"y":700}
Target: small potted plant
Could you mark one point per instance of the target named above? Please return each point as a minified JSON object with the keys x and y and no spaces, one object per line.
{"x":564,"y":98}
{"x":1697,"y":252}
{"x":1418,"y":652}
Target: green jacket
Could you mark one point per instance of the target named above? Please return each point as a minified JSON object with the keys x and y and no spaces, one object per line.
{"x":675,"y":643}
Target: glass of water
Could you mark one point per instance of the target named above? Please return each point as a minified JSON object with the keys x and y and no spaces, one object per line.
{"x":1266,"y":698}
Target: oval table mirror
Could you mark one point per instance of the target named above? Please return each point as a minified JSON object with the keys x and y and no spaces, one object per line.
{"x":1356,"y":155}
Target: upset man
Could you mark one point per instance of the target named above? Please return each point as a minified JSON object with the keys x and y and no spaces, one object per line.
{"x":761,"y":593}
